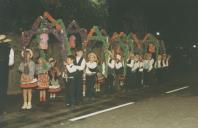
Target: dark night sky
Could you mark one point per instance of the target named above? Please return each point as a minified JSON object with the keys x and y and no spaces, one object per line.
{"x":177,"y":20}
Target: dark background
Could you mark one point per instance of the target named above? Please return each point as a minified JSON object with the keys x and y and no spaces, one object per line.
{"x":176,"y":20}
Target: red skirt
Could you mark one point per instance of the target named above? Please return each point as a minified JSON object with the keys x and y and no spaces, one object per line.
{"x":43,"y":81}
{"x":28,"y":86}
{"x":54,"y":90}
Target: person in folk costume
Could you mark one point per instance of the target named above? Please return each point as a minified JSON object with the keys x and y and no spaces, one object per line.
{"x":91,"y":72}
{"x":80,"y":63}
{"x":158,"y":68}
{"x":148,"y":66}
{"x":27,"y":68}
{"x":42,"y":69}
{"x":54,"y":74}
{"x":111,"y":72}
{"x":140,"y":71}
{"x":70,"y":76}
{"x":165,"y":64}
{"x":130,"y":76}
{"x":6,"y":60}
{"x":119,"y":69}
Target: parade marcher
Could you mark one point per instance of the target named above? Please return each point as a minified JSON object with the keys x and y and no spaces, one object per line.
{"x":148,"y":66}
{"x":91,"y":71}
{"x":6,"y":60}
{"x":80,"y":63}
{"x":138,"y":66}
{"x":111,"y":73}
{"x":42,"y":69}
{"x":165,"y":64}
{"x":27,"y":68}
{"x":71,"y":78}
{"x":130,"y":76}
{"x":119,"y":69}
{"x":158,"y":68}
{"x":54,"y":73}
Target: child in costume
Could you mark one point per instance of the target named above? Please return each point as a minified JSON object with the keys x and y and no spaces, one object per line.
{"x":119,"y":69}
{"x":91,"y":71}
{"x":80,"y":63}
{"x":27,"y":68}
{"x":158,"y":68}
{"x":148,"y":67}
{"x":54,"y":73}
{"x":42,"y":69}
{"x":130,"y":75}
{"x":111,"y":73}
{"x":71,"y":78}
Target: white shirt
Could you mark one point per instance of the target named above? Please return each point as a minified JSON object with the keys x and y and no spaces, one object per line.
{"x":90,"y":65}
{"x":118,"y":65}
{"x":131,"y":64}
{"x":135,"y":66}
{"x":11,"y":57}
{"x":158,"y":64}
{"x":71,"y":68}
{"x":83,"y":63}
{"x":112,"y":64}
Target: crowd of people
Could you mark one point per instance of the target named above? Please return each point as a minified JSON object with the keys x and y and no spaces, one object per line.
{"x":83,"y":79}
{"x":126,"y":63}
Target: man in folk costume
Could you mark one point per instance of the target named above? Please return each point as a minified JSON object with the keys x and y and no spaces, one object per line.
{"x":119,"y":69}
{"x":111,"y":72}
{"x":148,"y":66}
{"x":6,"y":60}
{"x":130,"y":76}
{"x":80,"y":63}
{"x":158,"y":68}
{"x":140,"y":72}
{"x":165,"y":64}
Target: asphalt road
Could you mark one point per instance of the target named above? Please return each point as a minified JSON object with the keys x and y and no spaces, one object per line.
{"x":151,"y":108}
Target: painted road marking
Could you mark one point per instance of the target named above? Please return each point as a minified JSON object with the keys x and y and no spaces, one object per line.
{"x":175,"y":90}
{"x":99,"y":112}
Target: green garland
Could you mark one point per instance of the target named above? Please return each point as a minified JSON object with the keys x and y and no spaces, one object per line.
{"x":68,"y":50}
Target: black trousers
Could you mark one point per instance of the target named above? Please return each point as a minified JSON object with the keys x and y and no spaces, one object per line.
{"x":79,"y":87}
{"x":70,"y":91}
{"x":4,"y":72}
{"x":139,"y":79}
{"x":131,"y":80}
{"x":90,"y":83}
{"x":109,"y":83}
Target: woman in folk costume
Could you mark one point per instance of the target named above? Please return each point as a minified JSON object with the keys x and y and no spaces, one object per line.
{"x":27,"y":68}
{"x":130,"y":76}
{"x":148,"y":66}
{"x":111,"y":72}
{"x":54,"y":73}
{"x":42,"y":69}
{"x":119,"y":70}
{"x":91,"y":71}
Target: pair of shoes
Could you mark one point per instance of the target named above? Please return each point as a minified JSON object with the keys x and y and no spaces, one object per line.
{"x":26,"y":106}
{"x":29,"y":106}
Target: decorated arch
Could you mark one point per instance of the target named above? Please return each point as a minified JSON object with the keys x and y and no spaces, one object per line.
{"x":48,"y":25}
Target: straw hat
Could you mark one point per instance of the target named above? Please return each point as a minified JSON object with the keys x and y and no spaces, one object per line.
{"x":92,"y":55}
{"x":4,"y":39}
{"x":27,"y":50}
